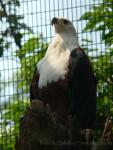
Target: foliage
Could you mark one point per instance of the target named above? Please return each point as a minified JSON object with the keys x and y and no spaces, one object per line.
{"x":100,"y":18}
{"x":9,"y":123}
{"x":13,"y":24}
{"x":30,"y":53}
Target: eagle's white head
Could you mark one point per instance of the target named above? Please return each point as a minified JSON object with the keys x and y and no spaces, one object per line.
{"x":54,"y":65}
{"x":63,"y":25}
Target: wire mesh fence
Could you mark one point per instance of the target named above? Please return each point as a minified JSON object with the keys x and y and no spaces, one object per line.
{"x":25,"y":32}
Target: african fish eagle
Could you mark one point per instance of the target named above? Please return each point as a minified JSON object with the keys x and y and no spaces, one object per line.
{"x":64,"y":77}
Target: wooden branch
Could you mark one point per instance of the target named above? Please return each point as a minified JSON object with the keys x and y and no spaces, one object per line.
{"x":105,"y":129}
{"x":40,"y":127}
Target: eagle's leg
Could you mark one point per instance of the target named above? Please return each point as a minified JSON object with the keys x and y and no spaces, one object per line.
{"x":39,"y":106}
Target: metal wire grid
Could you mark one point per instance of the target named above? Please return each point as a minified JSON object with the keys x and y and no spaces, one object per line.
{"x":37,"y":15}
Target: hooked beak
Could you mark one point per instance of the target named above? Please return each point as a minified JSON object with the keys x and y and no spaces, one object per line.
{"x":54,"y":21}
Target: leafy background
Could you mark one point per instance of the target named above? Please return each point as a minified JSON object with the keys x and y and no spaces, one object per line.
{"x":98,"y":19}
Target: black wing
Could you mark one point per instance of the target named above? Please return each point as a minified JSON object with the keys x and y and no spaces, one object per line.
{"x":82,"y":91}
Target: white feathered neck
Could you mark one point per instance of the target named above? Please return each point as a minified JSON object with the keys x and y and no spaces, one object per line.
{"x":54,"y":65}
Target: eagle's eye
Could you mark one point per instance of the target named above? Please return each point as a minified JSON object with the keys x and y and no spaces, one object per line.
{"x":65,"y":21}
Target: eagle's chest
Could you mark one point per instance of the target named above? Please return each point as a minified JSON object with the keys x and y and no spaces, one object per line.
{"x":57,"y":95}
{"x":53,"y":67}
{"x":57,"y":90}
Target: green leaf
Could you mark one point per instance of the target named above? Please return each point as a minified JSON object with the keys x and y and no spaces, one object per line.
{"x":1,"y":147}
{"x":2,"y":14}
{"x":87,"y":40}
{"x":31,"y":45}
{"x":86,"y":16}
{"x":30,"y":53}
{"x":1,"y":51}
